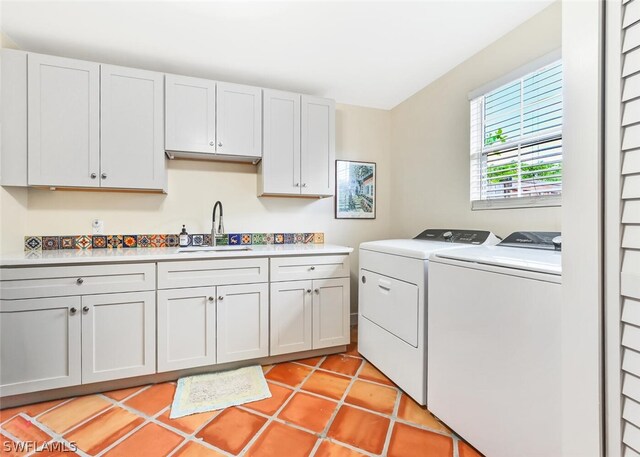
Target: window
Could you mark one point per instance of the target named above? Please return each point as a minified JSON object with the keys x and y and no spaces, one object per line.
{"x":516,"y":141}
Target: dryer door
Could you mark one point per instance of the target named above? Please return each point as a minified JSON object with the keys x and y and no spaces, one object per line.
{"x":390,"y":303}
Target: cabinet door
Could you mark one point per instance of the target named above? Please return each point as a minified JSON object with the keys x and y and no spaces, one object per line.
{"x":186,"y":328}
{"x":318,"y":145}
{"x":132,"y":129}
{"x":243,"y":322}
{"x":290,"y":309}
{"x":39,"y":344}
{"x":280,"y":166}
{"x":239,"y":120}
{"x":190,"y":114}
{"x":63,"y":122}
{"x":330,"y":312}
{"x":118,"y":336}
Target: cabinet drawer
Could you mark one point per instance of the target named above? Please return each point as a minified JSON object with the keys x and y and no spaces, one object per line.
{"x":309,"y":267}
{"x":75,"y":280}
{"x":203,"y":273}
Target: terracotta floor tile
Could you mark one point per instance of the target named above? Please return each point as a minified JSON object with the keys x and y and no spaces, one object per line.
{"x":74,"y":412}
{"x":341,"y":364}
{"x":266,"y":368}
{"x":371,"y":373}
{"x":25,"y":431}
{"x":411,"y":411}
{"x":193,"y":449}
{"x":232,"y":429}
{"x":279,"y":440}
{"x":372,"y":396}
{"x":151,"y":440}
{"x":30,"y":410}
{"x":464,"y":450}
{"x":329,"y":449}
{"x":102,"y":431}
{"x":11,"y":448}
{"x":154,"y":399}
{"x":188,"y":424}
{"x":406,"y":439}
{"x":312,"y":362}
{"x":307,"y":411}
{"x":288,"y":373}
{"x":359,"y":428}
{"x":121,"y":394}
{"x":328,"y":384}
{"x":269,"y":406}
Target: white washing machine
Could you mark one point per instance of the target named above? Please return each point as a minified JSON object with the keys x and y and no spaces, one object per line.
{"x":392,"y":303}
{"x":494,"y":368}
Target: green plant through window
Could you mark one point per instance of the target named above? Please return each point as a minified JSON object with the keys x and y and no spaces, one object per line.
{"x":542,"y":172}
{"x":495,"y":137}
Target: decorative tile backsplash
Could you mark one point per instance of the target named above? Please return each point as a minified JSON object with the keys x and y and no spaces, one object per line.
{"x":51,"y":243}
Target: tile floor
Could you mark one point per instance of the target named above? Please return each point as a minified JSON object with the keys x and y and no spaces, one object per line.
{"x":334,"y":406}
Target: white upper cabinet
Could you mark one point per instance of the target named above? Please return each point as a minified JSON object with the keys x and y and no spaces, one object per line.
{"x":280,"y":167}
{"x":63,"y":122}
{"x":190,"y":114}
{"x":318,"y":146}
{"x":132,"y":126}
{"x":239,"y":120}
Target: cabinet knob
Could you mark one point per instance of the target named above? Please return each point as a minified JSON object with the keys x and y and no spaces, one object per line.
{"x":85,"y":309}
{"x":94,"y":176}
{"x":297,"y":184}
{"x":312,"y":268}
{"x":304,"y":184}
{"x":79,"y":281}
{"x":211,"y":143}
{"x":220,"y":298}
{"x":364,"y":279}
{"x":211,"y":299}
{"x":308,"y":291}
{"x":219,"y":144}
{"x":72,"y":311}
{"x":103,"y":176}
{"x":317,"y":291}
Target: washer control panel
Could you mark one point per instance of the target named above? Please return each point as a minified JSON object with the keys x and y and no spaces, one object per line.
{"x":534,"y":240}
{"x":454,"y":236}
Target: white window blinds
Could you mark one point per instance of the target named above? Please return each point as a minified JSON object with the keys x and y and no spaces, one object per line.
{"x":516,"y":141}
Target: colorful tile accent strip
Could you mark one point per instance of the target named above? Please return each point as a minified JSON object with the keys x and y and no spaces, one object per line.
{"x":85,"y":242}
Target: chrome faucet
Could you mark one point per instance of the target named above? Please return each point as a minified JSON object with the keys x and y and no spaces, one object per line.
{"x":215,"y":231}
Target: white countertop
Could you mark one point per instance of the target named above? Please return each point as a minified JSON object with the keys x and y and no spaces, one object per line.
{"x":77,"y":256}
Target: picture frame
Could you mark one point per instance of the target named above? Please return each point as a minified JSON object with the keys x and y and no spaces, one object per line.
{"x":355,"y":195}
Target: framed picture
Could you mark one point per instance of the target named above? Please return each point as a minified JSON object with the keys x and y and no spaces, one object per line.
{"x":355,"y":190}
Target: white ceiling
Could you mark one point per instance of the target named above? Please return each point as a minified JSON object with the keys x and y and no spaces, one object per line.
{"x":366,"y":53}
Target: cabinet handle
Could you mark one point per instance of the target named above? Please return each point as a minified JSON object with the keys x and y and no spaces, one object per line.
{"x":364,"y":279}
{"x":211,"y":298}
{"x":297,"y":184}
{"x":312,"y":268}
{"x":308,"y":291}
{"x":94,"y":176}
{"x":103,"y":176}
{"x":219,"y":144}
{"x":79,"y":281}
{"x":304,"y":184}
{"x":220,"y":298}
{"x":211,"y":143}
{"x":85,"y":309}
{"x":72,"y":311}
{"x":317,"y":291}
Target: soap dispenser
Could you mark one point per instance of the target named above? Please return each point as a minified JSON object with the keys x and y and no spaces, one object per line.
{"x":184,"y":238}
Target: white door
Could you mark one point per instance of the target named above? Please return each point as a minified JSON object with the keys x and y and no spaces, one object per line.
{"x":243,"y":322}
{"x":132,"y":129}
{"x":63,"y":122}
{"x":239,"y":120}
{"x":118,"y":336}
{"x":330,"y":312}
{"x":190,"y":109}
{"x":186,"y":328}
{"x":318,"y":145}
{"x":280,"y":167}
{"x":39,"y":344}
{"x":290,"y":309}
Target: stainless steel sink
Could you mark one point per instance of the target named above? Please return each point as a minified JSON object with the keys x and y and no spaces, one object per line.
{"x":213,"y":248}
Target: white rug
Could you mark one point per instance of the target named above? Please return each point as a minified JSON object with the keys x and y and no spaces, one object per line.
{"x":212,"y":391}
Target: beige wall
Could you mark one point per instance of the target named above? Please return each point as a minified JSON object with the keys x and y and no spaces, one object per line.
{"x":430,"y":140}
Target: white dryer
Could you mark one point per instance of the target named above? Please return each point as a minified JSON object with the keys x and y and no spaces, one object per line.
{"x":393,"y":300}
{"x":494,"y":367}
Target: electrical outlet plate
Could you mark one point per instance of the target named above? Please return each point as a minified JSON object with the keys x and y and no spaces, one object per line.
{"x":97,"y":227}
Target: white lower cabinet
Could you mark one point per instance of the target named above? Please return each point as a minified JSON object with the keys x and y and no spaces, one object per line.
{"x":186,"y":328}
{"x":118,"y":336}
{"x":310,"y":314}
{"x":243,"y":322}
{"x":39,"y":344}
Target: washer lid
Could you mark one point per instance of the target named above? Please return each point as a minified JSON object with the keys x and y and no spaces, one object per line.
{"x":540,"y":261}
{"x":417,"y":249}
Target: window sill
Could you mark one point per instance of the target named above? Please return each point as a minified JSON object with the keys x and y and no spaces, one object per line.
{"x":517,"y":203}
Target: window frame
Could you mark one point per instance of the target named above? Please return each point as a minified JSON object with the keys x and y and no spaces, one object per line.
{"x":538,"y":201}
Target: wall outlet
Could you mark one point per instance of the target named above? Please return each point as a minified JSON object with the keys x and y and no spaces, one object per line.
{"x":97,"y":227}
